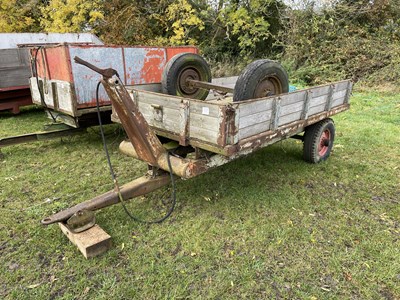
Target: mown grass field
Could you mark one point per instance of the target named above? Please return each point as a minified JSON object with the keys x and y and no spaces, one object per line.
{"x":268,"y":226}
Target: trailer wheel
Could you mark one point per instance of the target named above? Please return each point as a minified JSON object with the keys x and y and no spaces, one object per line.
{"x":261,"y":78}
{"x":179,"y":69}
{"x":318,"y":141}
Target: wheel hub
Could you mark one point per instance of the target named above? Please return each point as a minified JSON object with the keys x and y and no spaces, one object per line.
{"x":267,"y":87}
{"x":324,"y":142}
{"x":184,"y":84}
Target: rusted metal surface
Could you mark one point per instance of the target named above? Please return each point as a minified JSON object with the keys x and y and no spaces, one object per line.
{"x":146,"y":143}
{"x":146,"y":146}
{"x":144,"y":65}
{"x":172,"y":51}
{"x":12,"y":98}
{"x":85,"y":80}
{"x":184,"y":123}
{"x":135,"y":188}
{"x":135,"y":65}
{"x":81,"y":220}
{"x":39,"y":136}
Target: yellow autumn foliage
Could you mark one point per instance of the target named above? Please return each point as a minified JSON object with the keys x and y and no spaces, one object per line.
{"x":184,"y":19}
{"x":71,"y":15}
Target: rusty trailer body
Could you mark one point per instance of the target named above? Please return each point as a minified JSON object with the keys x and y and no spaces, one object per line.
{"x":15,"y":66}
{"x":221,"y":130}
{"x":69,"y":89}
{"x":206,"y":134}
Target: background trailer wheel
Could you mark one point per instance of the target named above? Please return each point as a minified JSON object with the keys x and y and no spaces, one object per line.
{"x":182,"y":68}
{"x":261,"y":78}
{"x":318,"y":141}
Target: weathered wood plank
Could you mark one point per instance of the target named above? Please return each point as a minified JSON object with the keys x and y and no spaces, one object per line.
{"x":253,"y":107}
{"x":316,"y":109}
{"x":169,"y":120}
{"x":294,"y":107}
{"x":292,"y":98}
{"x":276,"y":111}
{"x":340,"y":86}
{"x":348,"y":92}
{"x":91,"y":242}
{"x":253,"y":130}
{"x":204,"y":108}
{"x":339,"y":94}
{"x":290,"y":118}
{"x":159,"y":99}
{"x":318,"y":100}
{"x":338,"y":101}
{"x":329,"y":98}
{"x":184,"y":123}
{"x":203,"y":121}
{"x":209,"y":136}
{"x":306,"y":107}
{"x":319,"y":91}
{"x":250,"y":120}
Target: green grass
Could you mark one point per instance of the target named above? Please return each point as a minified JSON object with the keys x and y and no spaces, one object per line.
{"x":265,"y":226}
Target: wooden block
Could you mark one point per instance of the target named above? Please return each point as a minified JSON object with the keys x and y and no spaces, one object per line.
{"x":91,"y":242}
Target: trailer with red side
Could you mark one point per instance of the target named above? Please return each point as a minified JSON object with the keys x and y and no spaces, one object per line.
{"x":180,"y":131}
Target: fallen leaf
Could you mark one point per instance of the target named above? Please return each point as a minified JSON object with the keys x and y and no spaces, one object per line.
{"x":32,"y":286}
{"x":347,"y":276}
{"x":86,"y":290}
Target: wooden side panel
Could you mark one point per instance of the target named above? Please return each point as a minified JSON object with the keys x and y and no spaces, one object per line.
{"x":207,"y":123}
{"x":338,"y":98}
{"x":203,"y":121}
{"x":253,"y":117}
{"x":256,"y":116}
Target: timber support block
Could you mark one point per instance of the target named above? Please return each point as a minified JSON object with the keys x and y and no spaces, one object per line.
{"x":91,"y":242}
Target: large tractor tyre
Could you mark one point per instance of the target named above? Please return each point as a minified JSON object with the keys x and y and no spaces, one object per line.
{"x":179,"y":69}
{"x":318,"y":141}
{"x":261,"y":78}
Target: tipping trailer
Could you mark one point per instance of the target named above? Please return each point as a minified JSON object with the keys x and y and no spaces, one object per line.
{"x":15,"y":64}
{"x":209,"y":133}
{"x":67,"y":91}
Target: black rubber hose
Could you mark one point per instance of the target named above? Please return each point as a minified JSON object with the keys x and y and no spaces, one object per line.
{"x":114,"y":178}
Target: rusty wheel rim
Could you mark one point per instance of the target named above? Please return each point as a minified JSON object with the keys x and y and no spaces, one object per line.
{"x":324,"y":142}
{"x":267,"y":87}
{"x":184,"y":87}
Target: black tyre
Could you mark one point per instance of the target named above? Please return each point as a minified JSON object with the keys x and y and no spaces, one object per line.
{"x":179,"y":69}
{"x":318,"y":141}
{"x":261,"y":78}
